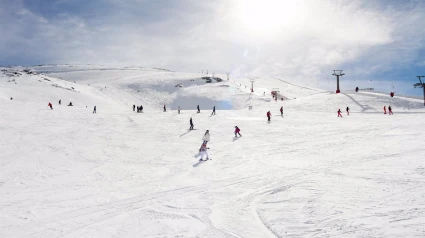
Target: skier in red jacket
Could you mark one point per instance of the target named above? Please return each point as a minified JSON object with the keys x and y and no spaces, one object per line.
{"x":339,"y":113}
{"x":50,"y":105}
{"x":237,"y":130}
{"x":281,"y":111}
{"x":268,"y":115}
{"x":385,"y":109}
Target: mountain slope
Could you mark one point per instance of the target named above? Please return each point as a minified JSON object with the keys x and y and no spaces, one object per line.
{"x":71,"y":173}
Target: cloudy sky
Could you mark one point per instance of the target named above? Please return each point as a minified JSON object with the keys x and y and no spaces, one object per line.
{"x":378,"y":43}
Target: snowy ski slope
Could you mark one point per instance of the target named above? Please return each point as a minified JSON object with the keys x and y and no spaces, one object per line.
{"x":68,"y":172}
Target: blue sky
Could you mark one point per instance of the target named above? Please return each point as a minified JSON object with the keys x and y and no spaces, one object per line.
{"x":378,"y":43}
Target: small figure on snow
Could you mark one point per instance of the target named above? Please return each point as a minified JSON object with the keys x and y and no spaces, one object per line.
{"x":191,"y":124}
{"x":141,"y":108}
{"x":357,"y":89}
{"x":50,"y":105}
{"x":204,"y":152}
{"x":199,"y":111}
{"x":385,"y":109}
{"x":237,"y":131}
{"x":60,"y":101}
{"x":165,"y":109}
{"x":11,"y":98}
{"x":348,"y":110}
{"x":206,"y":137}
{"x":94,"y":109}
{"x":390,"y":110}
{"x":178,"y":109}
{"x":134,"y":108}
{"x":268,"y":115}
{"x":70,"y":104}
{"x":213,"y":112}
{"x":281,"y":111}
{"x":339,"y":113}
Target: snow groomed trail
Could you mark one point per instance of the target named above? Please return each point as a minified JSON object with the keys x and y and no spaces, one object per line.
{"x":68,"y":172}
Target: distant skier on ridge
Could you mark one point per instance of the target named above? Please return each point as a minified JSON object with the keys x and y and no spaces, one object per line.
{"x":348,"y":110}
{"x":390,"y":110}
{"x":165,"y":109}
{"x":213,"y":112}
{"x":339,"y":113}
{"x":199,"y":111}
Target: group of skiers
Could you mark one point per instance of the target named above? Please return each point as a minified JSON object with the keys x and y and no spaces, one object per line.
{"x":347,"y":110}
{"x":69,"y":105}
{"x":269,"y":114}
{"x":139,"y":108}
{"x":206,"y":138}
{"x":390,"y":111}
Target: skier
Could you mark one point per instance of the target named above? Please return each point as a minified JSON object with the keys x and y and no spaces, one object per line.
{"x":50,"y":105}
{"x":339,"y":113}
{"x":357,"y":89}
{"x":213,"y":112}
{"x":203,"y":151}
{"x":165,"y":109}
{"x":390,"y":110}
{"x":178,"y":109}
{"x":141,"y":108}
{"x":70,"y":104}
{"x":237,"y":131}
{"x":385,"y":109}
{"x":206,"y":137}
{"x":281,"y":111}
{"x":199,"y":111}
{"x":348,"y":110}
{"x":94,"y":110}
{"x":191,"y":124}
{"x":60,"y":101}
{"x":268,"y":115}
{"x":134,"y":107}
{"x":11,"y":98}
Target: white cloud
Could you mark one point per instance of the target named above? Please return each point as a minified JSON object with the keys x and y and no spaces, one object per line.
{"x":300,"y":40}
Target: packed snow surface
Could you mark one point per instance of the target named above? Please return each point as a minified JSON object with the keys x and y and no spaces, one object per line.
{"x":68,"y":172}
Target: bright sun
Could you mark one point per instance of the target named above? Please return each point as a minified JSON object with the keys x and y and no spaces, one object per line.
{"x":265,"y":16}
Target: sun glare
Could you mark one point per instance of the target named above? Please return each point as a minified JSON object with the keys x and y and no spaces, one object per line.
{"x":265,"y":16}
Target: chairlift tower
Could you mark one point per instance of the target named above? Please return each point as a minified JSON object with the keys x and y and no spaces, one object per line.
{"x":337,"y":73}
{"x":252,"y":85}
{"x":421,"y":84}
